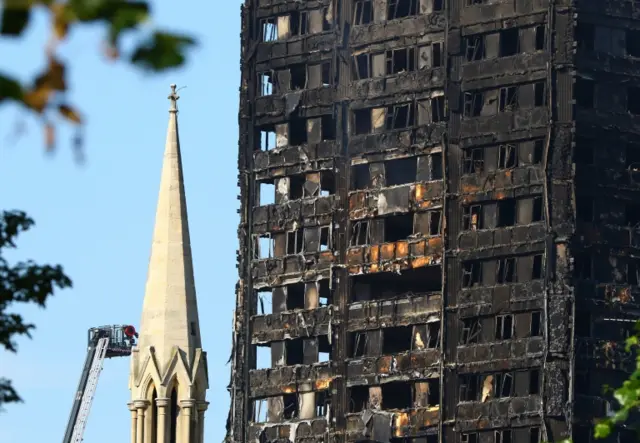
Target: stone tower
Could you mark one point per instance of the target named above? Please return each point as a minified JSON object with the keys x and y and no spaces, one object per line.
{"x":168,"y":378}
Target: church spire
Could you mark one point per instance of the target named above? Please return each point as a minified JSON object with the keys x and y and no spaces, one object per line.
{"x":168,"y":378}
{"x":170,"y":311}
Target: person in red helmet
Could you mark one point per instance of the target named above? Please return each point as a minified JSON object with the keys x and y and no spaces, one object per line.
{"x":131,"y":334}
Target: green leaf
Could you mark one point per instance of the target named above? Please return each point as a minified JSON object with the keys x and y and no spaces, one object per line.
{"x":15,"y":18}
{"x":86,"y":10}
{"x":602,"y":430}
{"x":631,"y":341}
{"x":162,"y":51}
{"x":10,"y":89}
{"x":123,"y":16}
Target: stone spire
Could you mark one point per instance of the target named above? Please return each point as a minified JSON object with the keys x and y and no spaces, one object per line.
{"x":169,"y":379}
{"x":170,"y":310}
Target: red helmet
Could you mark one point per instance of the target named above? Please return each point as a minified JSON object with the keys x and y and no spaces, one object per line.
{"x":129,"y":331}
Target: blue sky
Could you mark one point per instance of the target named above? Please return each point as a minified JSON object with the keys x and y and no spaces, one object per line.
{"x":97,"y":219}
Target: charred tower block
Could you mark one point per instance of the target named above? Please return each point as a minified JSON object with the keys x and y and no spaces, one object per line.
{"x":438,"y":233}
{"x":168,"y":378}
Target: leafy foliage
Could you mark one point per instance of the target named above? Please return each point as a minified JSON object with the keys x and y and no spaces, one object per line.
{"x":44,"y":96}
{"x":627,"y":395}
{"x":23,"y":282}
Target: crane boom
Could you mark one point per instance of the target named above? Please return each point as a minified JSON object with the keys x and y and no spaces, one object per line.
{"x":104,"y":342}
{"x":90,"y":390}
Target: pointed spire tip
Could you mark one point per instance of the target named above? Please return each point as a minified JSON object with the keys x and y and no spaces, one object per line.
{"x":173,"y":98}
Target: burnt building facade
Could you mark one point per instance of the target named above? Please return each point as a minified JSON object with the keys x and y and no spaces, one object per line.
{"x":439,"y":219}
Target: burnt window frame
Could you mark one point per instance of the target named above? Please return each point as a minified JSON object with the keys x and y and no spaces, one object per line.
{"x":475,"y":48}
{"x":473,"y":103}
{"x":505,"y":327}
{"x":470,"y":331}
{"x":357,"y":234}
{"x":358,"y":19}
{"x":468,"y":213}
{"x":470,"y":164}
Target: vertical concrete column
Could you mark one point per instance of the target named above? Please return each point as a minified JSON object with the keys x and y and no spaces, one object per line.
{"x":186,"y":406}
{"x":134,"y":420}
{"x":162,"y":404}
{"x":141,"y":406}
{"x":202,"y":407}
{"x":307,"y":400}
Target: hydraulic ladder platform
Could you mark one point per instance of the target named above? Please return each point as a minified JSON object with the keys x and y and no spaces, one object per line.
{"x":104,"y":342}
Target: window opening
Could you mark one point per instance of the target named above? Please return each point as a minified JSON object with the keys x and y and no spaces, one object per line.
{"x":539,"y":95}
{"x":399,"y":116}
{"x":504,"y":327}
{"x":267,"y":140}
{"x":398,"y":227}
{"x":401,"y":8}
{"x":265,"y":80}
{"x":299,"y":23}
{"x":437,"y":109}
{"x":473,"y":103}
{"x":506,"y":271}
{"x":536,"y":272}
{"x":362,"y":66}
{"x":291,"y":407}
{"x":503,"y":436}
{"x":360,"y":177}
{"x":295,"y":242}
{"x":534,"y":435}
{"x":536,"y":324}
{"x":584,"y":93}
{"x":471,"y":437}
{"x":435,"y":218}
{"x":471,"y":272}
{"x":472,"y":218}
{"x":297,"y":131}
{"x":401,"y":171}
{"x":396,"y":340}
{"x":263,"y":357}
{"x":326,"y":74}
{"x":264,"y":247}
{"x":471,"y":329}
{"x":537,"y":212}
{"x":506,"y":212}
{"x":328,"y":127}
{"x":534,"y":382}
{"x":540,"y":37}
{"x":360,"y":234}
{"x":359,"y":344}
{"x":585,"y":36}
{"x":269,"y":29}
{"x":436,"y":52}
{"x":508,"y":99}
{"x":475,"y":47}
{"x":503,"y":385}
{"x":401,"y":60}
{"x":633,"y":42}
{"x":358,"y":398}
{"x":473,"y":161}
{"x":507,"y":158}
{"x":298,"y":76}
{"x":267,"y":194}
{"x":469,"y":388}
{"x":363,"y":12}
{"x":362,"y":121}
{"x":509,"y":42}
{"x":538,"y":151}
{"x":325,"y":238}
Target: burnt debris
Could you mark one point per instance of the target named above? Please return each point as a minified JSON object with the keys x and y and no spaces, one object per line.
{"x":440,"y":227}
